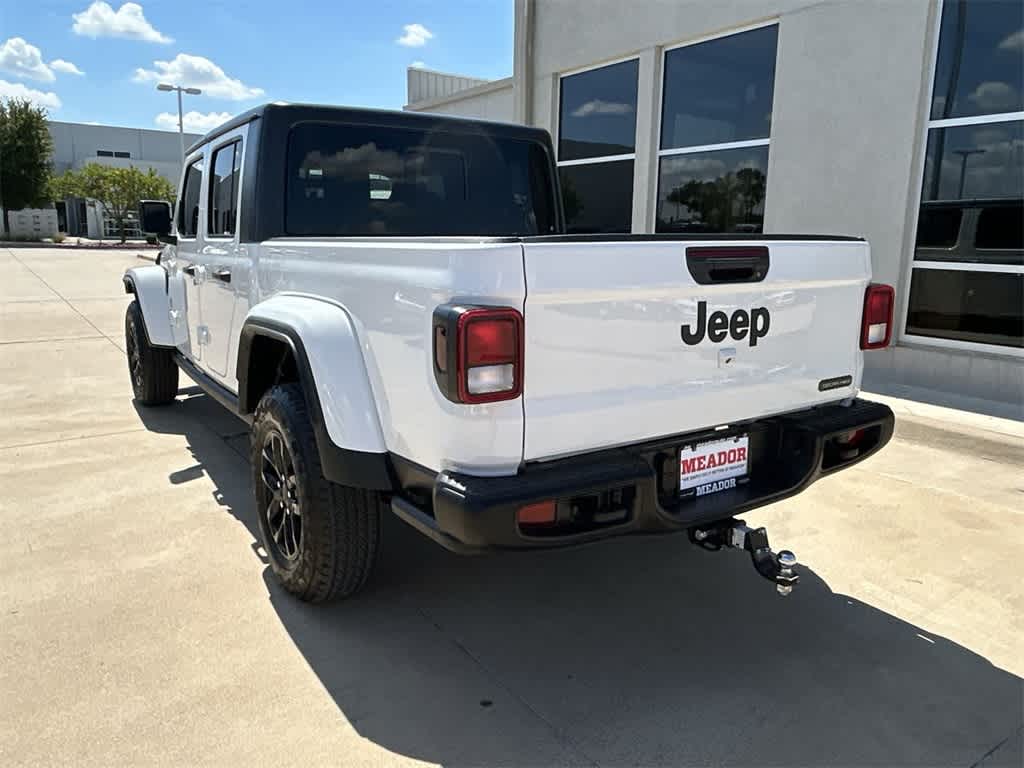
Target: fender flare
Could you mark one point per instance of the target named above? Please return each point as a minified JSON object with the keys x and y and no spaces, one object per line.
{"x":336,"y":386}
{"x":149,"y":284}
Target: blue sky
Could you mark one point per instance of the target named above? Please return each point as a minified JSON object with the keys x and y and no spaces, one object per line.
{"x":241,"y":53}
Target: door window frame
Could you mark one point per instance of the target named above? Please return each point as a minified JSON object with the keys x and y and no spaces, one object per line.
{"x":199,"y":154}
{"x":223,"y":142}
{"x":913,"y":218}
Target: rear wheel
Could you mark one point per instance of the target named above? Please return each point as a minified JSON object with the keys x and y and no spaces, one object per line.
{"x":153,"y":371}
{"x":321,"y":538}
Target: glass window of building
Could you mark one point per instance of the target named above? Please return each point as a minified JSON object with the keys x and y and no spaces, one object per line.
{"x":715,"y":128}
{"x":597,"y":147}
{"x":967,"y":279}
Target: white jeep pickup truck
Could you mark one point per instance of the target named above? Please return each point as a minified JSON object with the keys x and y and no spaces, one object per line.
{"x":391,"y":301}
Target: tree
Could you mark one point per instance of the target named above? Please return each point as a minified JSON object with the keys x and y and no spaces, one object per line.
{"x":572,"y":206}
{"x":117,"y":190}
{"x":752,"y":185}
{"x":25,"y":150}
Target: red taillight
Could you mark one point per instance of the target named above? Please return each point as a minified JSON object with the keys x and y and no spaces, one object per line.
{"x":876,"y":323}
{"x":490,"y":341}
{"x":489,"y":355}
{"x":486,"y":345}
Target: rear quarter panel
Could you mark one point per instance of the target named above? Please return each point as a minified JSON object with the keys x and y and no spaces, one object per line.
{"x":390,"y":289}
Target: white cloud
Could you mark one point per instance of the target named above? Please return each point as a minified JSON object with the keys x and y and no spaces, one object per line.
{"x":23,"y":59}
{"x":19,"y":91}
{"x":416,"y":35}
{"x":197,"y":72}
{"x":1014,"y":41}
{"x":197,"y":122}
{"x":995,"y":96}
{"x":417,"y":65}
{"x":66,"y":67}
{"x":128,"y":21}
{"x":598,"y":107}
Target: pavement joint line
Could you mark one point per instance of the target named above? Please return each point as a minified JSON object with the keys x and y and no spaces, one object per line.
{"x":70,"y":439}
{"x":951,"y":491}
{"x":58,"y":293}
{"x":59,"y":338}
{"x":557,"y":732}
{"x":980,"y":762}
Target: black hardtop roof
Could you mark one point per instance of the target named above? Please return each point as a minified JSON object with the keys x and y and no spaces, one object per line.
{"x":299,"y":113}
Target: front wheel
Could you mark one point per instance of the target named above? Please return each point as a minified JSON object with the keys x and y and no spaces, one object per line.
{"x":321,"y":538}
{"x":153,"y":370}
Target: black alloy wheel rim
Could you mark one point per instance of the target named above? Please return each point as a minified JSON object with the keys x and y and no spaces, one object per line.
{"x":281,"y":508}
{"x":134,"y":356}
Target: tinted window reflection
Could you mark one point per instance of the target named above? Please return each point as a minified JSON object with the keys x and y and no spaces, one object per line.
{"x":983,"y":307}
{"x":719,"y":191}
{"x":598,"y":197}
{"x":975,"y":161}
{"x":354,"y":180}
{"x":188,"y":206}
{"x":720,"y":90}
{"x":938,"y":227}
{"x":1001,"y":228}
{"x":598,"y":112}
{"x":223,"y":190}
{"x":980,"y":66}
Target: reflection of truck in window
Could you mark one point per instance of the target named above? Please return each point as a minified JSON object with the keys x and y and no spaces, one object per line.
{"x":398,"y":312}
{"x":972,"y":303}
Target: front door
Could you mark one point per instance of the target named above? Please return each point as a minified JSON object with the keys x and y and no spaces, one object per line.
{"x":186,"y":269}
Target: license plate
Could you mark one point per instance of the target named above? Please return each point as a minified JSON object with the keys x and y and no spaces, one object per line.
{"x":714,"y":466}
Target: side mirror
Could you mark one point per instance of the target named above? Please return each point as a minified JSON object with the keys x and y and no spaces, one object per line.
{"x":155,"y":218}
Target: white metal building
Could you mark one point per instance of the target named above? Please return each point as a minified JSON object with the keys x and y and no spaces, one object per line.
{"x":77,"y":144}
{"x":902,"y":122}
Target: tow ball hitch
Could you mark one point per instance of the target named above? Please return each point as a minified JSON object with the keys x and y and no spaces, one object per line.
{"x":735,"y":534}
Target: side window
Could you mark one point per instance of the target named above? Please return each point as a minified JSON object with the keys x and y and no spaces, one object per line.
{"x":223,"y":205}
{"x":188,"y":206}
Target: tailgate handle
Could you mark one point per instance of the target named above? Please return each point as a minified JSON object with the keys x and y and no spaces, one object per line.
{"x":710,"y":264}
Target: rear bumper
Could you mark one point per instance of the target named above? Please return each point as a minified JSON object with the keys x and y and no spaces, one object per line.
{"x":634,"y":489}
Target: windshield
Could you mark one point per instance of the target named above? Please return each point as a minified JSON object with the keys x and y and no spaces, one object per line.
{"x":358,"y":180}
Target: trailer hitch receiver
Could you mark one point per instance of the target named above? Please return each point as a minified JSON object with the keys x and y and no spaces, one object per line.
{"x":735,"y":534}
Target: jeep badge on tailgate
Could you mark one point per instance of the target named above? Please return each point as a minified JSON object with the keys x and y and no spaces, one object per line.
{"x":719,"y":325}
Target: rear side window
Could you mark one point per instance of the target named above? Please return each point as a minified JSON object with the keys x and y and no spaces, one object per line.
{"x":352,"y":180}
{"x":222,"y":210}
{"x":188,"y":206}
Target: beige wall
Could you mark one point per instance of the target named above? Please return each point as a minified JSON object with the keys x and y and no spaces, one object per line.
{"x":848,"y":122}
{"x":488,"y":101}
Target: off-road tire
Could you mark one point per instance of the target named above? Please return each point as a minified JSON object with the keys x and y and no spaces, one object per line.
{"x":153,"y":372}
{"x":340,"y":526}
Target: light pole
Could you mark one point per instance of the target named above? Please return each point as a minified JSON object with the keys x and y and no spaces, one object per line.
{"x":181,"y":118}
{"x":964,"y":154}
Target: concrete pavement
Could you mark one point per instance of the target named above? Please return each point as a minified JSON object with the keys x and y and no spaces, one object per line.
{"x":139,"y":623}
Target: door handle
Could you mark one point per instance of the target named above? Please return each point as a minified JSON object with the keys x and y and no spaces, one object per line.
{"x":224,"y":275}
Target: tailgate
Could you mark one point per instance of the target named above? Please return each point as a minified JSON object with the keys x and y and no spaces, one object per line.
{"x":623,"y":344}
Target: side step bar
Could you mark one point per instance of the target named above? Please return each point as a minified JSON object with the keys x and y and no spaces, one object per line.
{"x":427,"y":525}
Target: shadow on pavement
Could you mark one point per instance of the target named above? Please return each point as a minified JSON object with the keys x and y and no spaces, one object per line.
{"x":640,"y":651}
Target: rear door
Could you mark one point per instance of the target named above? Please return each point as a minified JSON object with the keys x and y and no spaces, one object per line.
{"x":629,"y":340}
{"x":224,"y":295}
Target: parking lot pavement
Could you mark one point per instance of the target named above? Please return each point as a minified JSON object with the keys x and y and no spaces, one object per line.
{"x":139,"y":623}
